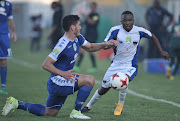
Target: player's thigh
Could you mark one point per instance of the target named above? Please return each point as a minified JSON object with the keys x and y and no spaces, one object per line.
{"x":86,"y":80}
{"x":54,"y":103}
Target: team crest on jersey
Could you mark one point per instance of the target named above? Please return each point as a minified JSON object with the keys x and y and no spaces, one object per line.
{"x":2,"y":3}
{"x":55,"y":51}
{"x":128,"y":39}
{"x":74,"y":46}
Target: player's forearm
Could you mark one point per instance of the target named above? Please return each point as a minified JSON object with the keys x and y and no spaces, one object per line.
{"x":11,"y":25}
{"x":96,"y":46}
{"x":156,"y":42}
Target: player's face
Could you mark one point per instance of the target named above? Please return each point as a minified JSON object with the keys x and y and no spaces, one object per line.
{"x":127,"y":21}
{"x":77,"y":29}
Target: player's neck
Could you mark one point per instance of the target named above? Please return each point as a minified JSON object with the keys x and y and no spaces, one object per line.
{"x":70,"y":36}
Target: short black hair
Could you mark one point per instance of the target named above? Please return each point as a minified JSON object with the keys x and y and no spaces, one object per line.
{"x":68,"y":21}
{"x":127,"y":12}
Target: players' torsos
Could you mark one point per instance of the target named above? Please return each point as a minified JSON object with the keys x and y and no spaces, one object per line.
{"x":5,"y":14}
{"x":125,"y":54}
{"x":65,"y":54}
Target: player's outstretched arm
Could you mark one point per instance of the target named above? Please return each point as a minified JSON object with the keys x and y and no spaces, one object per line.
{"x":48,"y":66}
{"x":92,"y":47}
{"x":163,"y":53}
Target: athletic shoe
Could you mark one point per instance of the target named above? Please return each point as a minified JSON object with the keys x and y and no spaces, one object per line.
{"x":168,"y":73}
{"x":11,"y":104}
{"x":85,"y":109}
{"x":172,"y":78}
{"x":118,"y":109}
{"x":92,"y":70}
{"x":3,"y":91}
{"x":76,"y":68}
{"x":78,"y":115}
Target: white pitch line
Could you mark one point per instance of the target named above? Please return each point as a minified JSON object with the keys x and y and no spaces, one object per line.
{"x":34,"y":66}
{"x":148,"y":97}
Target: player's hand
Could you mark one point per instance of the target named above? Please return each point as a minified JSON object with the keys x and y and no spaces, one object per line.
{"x":14,"y":36}
{"x":165,"y":55}
{"x":70,"y":76}
{"x":112,"y":43}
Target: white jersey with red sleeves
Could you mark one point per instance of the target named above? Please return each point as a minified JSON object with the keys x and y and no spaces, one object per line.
{"x":125,"y":54}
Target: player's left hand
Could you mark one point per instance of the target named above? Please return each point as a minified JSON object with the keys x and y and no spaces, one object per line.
{"x":70,"y":76}
{"x":165,"y":55}
{"x":14,"y":36}
{"x":112,"y":43}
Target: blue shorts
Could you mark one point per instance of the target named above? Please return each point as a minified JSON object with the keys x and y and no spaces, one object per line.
{"x":5,"y":49}
{"x":58,"y":91}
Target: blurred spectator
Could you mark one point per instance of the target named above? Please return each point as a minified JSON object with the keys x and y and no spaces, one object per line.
{"x":155,"y":17}
{"x":174,"y":51}
{"x":36,"y":32}
{"x":91,"y":34}
{"x":56,"y":31}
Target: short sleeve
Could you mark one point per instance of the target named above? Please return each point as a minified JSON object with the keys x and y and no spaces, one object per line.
{"x":82,"y":40}
{"x":144,"y":33}
{"x":112,"y":34}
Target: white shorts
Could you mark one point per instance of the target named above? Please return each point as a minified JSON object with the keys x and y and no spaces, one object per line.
{"x":130,"y":71}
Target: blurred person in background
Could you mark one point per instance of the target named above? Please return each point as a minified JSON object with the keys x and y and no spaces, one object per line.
{"x":174,"y":51}
{"x":155,"y":16}
{"x":6,"y":19}
{"x":91,"y":34}
{"x":36,"y":32}
{"x":56,"y":31}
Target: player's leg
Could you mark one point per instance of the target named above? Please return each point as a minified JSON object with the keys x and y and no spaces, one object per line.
{"x":131,"y":73}
{"x":97,"y":95}
{"x":12,"y":104}
{"x":85,"y":85}
{"x":80,"y":58}
{"x":3,"y":73}
{"x":93,"y":61}
{"x":172,"y":77}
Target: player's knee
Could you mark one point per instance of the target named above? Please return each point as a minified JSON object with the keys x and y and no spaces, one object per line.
{"x":51,"y":112}
{"x":90,"y":80}
{"x":2,"y":62}
{"x":103,"y":91}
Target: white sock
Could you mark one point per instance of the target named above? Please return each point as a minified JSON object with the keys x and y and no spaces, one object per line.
{"x":122,"y":95}
{"x":94,"y":99}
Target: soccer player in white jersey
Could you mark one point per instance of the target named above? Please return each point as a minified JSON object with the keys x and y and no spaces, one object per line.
{"x":125,"y":57}
{"x":62,"y":81}
{"x":6,"y":19}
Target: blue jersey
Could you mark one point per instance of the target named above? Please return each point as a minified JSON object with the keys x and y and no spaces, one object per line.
{"x":5,"y":14}
{"x":66,"y":52}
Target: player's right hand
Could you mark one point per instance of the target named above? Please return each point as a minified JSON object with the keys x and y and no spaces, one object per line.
{"x":70,"y":76}
{"x":165,"y":55}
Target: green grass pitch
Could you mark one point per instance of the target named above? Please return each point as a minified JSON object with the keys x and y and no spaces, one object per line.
{"x":27,"y":82}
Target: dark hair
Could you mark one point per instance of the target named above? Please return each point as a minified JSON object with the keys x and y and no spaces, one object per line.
{"x":127,"y":12}
{"x":68,"y":21}
{"x":94,"y":3}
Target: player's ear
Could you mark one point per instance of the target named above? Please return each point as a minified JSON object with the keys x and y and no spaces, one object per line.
{"x":72,"y":27}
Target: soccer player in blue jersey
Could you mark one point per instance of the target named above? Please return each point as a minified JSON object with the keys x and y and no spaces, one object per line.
{"x":62,"y":81}
{"x":125,"y":57}
{"x":6,"y":19}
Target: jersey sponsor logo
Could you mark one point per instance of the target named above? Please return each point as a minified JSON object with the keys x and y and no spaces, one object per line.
{"x":128,"y":39}
{"x":55,"y":51}
{"x":75,"y":58}
{"x":74,"y":46}
{"x":2,"y":11}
